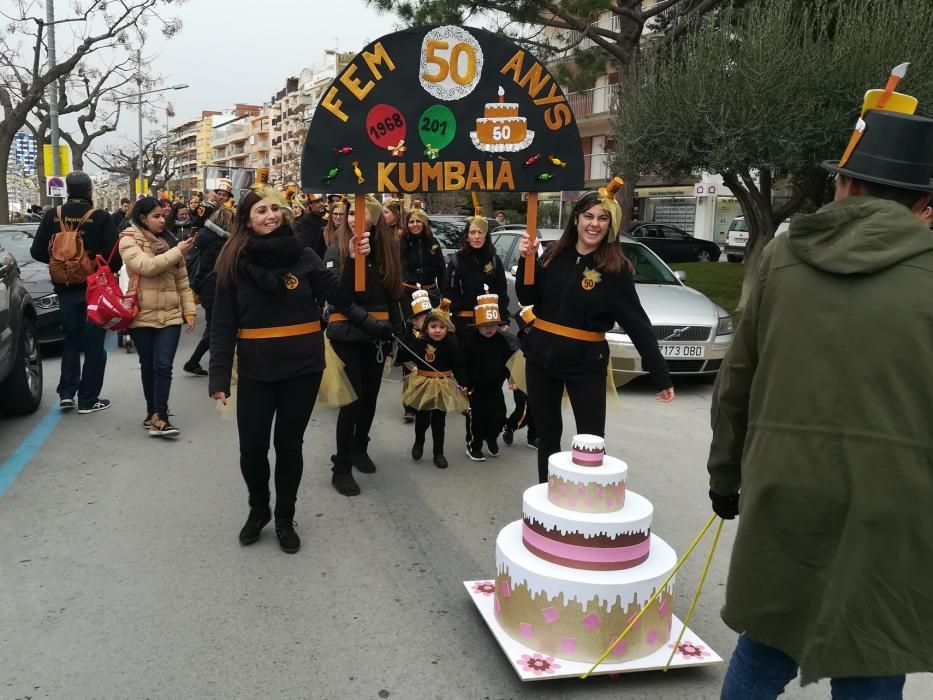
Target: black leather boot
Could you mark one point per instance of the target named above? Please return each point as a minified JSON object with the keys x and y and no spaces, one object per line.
{"x":361,"y":459}
{"x":288,"y":538}
{"x":257,"y":520}
{"x":343,"y":480}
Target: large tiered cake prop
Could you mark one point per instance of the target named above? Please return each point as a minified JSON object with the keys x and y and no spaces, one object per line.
{"x":582,"y":562}
{"x":501,"y":128}
{"x":578,"y":567}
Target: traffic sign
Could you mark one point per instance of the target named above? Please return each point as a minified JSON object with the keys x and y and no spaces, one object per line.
{"x":55,"y":186}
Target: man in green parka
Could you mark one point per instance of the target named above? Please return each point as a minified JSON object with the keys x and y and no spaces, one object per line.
{"x":822,"y":439}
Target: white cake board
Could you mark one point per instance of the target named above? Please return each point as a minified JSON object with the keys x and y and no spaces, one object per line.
{"x":561,"y":668}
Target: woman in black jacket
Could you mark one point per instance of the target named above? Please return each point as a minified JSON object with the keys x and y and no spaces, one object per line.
{"x":471,"y":270}
{"x":583,"y":286}
{"x":208,"y":243}
{"x":267,"y":309}
{"x":360,"y":336}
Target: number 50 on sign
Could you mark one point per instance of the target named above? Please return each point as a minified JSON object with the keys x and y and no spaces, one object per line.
{"x":451,"y":63}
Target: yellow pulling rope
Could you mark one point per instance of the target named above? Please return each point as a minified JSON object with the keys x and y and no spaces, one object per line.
{"x":657,"y":593}
{"x":696,"y":596}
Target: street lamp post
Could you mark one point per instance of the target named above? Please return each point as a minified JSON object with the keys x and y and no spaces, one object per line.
{"x":139,"y":108}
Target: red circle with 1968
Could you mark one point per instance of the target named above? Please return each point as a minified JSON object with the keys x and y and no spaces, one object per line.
{"x":385,"y":126}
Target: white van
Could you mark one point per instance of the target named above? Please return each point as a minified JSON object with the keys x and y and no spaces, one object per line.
{"x":737,"y":238}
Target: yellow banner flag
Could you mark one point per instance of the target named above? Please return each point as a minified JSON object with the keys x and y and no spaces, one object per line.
{"x":65,"y":155}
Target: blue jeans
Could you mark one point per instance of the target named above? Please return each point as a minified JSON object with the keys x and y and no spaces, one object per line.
{"x":156,"y":348}
{"x":759,"y":672}
{"x":81,"y":336}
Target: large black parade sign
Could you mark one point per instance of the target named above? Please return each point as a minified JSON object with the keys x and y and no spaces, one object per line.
{"x":439,"y":109}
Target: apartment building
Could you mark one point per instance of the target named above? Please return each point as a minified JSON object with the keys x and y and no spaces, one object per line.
{"x":291,"y":110}
{"x":183,"y":156}
{"x":230,"y":136}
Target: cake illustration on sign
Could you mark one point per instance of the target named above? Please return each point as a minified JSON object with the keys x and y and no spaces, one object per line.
{"x":582,"y":562}
{"x":501,"y":128}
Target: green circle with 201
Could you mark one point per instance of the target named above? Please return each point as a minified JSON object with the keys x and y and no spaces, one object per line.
{"x":436,"y":126}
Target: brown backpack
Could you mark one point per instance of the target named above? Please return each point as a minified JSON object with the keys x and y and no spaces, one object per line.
{"x":68,"y":261}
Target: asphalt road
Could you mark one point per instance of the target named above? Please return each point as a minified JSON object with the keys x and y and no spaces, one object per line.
{"x":121,"y":575}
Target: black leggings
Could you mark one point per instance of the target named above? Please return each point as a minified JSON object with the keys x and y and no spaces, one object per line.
{"x":438,"y":422}
{"x":365,"y":375}
{"x":290,"y":402}
{"x":545,"y":391}
{"x":487,"y":416}
{"x":205,"y":342}
{"x":521,"y":416}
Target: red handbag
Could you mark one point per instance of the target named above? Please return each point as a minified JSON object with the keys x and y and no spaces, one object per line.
{"x":107,"y":305}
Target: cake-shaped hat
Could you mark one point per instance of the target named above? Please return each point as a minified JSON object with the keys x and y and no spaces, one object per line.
{"x":891,"y":144}
{"x":420,"y":301}
{"x":588,"y":450}
{"x":486,"y":311}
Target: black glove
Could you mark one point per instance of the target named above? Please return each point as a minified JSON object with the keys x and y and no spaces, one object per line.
{"x":375,"y":329}
{"x":726,"y":507}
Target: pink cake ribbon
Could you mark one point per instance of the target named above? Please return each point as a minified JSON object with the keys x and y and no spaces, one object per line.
{"x":545,"y":546}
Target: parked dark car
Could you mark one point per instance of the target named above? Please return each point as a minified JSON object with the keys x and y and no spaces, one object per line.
{"x":20,"y":359}
{"x":16,"y":239}
{"x":674,"y":245}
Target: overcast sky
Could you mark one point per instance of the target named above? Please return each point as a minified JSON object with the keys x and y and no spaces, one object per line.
{"x":243,"y":50}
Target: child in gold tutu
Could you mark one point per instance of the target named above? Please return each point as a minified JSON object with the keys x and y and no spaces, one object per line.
{"x":432,"y":389}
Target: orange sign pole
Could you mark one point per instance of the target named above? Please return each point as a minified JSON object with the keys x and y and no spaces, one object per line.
{"x":359,"y":262}
{"x":533,"y":237}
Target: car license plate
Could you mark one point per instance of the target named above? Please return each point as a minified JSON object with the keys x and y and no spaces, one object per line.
{"x":681,"y":350}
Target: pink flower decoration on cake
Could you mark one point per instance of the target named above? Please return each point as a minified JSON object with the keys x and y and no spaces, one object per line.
{"x":526,"y":630}
{"x":618,"y":649}
{"x":484,"y":587}
{"x":505,"y":589}
{"x":689,"y":650}
{"x":592,"y":621}
{"x":568,"y":645}
{"x":550,"y":615}
{"x":538,"y":665}
{"x":590,"y":502}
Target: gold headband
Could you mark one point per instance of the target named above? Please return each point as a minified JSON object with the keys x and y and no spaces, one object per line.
{"x":607,"y":198}
{"x":480,"y":223}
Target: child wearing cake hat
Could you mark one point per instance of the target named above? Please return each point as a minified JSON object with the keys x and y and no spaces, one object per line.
{"x":432,"y":387}
{"x":420,"y":307}
{"x":521,"y":417}
{"x":486,"y":353}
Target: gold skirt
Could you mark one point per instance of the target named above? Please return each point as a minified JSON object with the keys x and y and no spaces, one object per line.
{"x":516,"y":367}
{"x":336,"y":390}
{"x":433,"y":394}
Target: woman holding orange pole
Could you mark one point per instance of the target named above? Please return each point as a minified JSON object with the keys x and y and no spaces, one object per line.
{"x":584,"y":285}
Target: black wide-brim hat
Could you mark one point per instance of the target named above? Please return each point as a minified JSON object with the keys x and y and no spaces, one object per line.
{"x":895,"y":149}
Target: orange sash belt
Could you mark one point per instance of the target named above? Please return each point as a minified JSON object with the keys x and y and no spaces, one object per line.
{"x":433,"y":375}
{"x":378,"y":315}
{"x":279,"y":331}
{"x":568,"y":332}
{"x":415,"y":286}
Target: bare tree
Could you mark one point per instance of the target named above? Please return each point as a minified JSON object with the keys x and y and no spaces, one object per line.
{"x":125,"y":161}
{"x":25,"y":76}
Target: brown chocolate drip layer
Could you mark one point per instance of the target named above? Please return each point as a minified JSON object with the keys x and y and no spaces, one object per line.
{"x":576,"y":538}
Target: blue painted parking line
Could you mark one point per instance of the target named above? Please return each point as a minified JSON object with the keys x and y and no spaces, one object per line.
{"x":33,"y":442}
{"x":22,"y":455}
